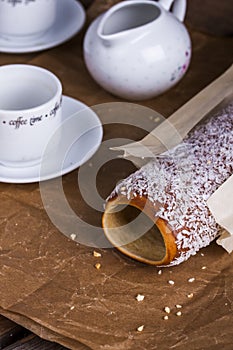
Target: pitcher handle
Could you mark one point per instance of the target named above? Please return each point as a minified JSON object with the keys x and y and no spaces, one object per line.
{"x":178,"y":8}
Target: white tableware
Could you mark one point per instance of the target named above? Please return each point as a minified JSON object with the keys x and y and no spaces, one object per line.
{"x":30,"y":111}
{"x":88,"y":140}
{"x":138,"y":48}
{"x":26,"y":18}
{"x":70,"y":18}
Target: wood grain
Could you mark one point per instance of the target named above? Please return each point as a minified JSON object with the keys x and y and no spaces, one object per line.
{"x":10,"y":332}
{"x":33,"y":342}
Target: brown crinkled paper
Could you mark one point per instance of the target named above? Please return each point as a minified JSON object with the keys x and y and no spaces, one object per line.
{"x":172,"y":131}
{"x":48,"y":283}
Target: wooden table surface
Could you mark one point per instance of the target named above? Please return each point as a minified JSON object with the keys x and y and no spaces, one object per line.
{"x":13,"y":336}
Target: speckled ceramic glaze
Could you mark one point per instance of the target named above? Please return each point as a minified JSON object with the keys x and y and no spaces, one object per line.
{"x":138,"y":49}
{"x":22,"y":19}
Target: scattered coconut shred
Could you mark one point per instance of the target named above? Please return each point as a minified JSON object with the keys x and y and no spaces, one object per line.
{"x":97,"y":266}
{"x":191,"y":280}
{"x":179,"y":182}
{"x":97,"y":254}
{"x":140,"y":328}
{"x":140,"y":297}
{"x":167,"y":309}
{"x":171,"y":282}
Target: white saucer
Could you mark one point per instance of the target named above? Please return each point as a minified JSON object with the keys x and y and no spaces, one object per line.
{"x":88,"y":132}
{"x":69,"y":21}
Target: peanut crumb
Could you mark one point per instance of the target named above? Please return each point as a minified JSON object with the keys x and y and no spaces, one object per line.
{"x":73,"y":236}
{"x":202,"y":254}
{"x":203,"y":268}
{"x":96,"y":254}
{"x":190,"y":295}
{"x":72,"y":308}
{"x":171,"y":282}
{"x":140,"y":297}
{"x":98,"y":266}
{"x":190,"y":280}
{"x":165,"y":317}
{"x":160,"y":272}
{"x":179,"y":313}
{"x":140,"y":328}
{"x":178,"y":306}
{"x":167,"y":309}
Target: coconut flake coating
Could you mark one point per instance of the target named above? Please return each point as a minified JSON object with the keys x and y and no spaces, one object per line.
{"x":180,"y":181}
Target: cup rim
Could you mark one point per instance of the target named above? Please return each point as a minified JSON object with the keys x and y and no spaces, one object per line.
{"x":43,"y":105}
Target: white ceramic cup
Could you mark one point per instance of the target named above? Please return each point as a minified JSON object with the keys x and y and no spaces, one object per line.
{"x":26,"y":18}
{"x":30,"y":112}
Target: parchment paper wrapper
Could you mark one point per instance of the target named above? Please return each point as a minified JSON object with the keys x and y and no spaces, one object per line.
{"x":220,"y":204}
{"x":172,"y":131}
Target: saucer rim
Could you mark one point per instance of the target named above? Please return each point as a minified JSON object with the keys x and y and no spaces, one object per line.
{"x":35,"y":46}
{"x":37,"y":168}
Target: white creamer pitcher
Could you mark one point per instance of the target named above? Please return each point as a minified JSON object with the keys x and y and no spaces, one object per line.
{"x":138,"y":48}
